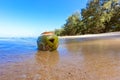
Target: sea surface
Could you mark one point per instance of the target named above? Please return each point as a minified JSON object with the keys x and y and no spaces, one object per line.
{"x":75,"y":59}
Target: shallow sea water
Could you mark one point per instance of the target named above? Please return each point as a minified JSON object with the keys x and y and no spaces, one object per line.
{"x":75,"y":59}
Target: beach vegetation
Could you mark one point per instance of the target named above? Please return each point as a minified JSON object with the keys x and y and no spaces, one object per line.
{"x":99,"y":16}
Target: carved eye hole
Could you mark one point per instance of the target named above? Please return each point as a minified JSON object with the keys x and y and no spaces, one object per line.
{"x":51,"y":40}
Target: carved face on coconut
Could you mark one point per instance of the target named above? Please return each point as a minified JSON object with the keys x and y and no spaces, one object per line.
{"x":47,"y":42}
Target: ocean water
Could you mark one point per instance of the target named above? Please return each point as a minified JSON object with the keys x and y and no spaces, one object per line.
{"x":75,"y":59}
{"x":12,"y":49}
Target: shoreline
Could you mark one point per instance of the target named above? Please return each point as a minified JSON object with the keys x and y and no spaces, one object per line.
{"x":102,"y":35}
{"x":73,"y":60}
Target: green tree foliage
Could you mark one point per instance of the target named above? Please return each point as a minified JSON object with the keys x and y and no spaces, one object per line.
{"x":111,"y":15}
{"x":58,"y":32}
{"x":91,"y":17}
{"x":99,"y":16}
{"x":70,"y":27}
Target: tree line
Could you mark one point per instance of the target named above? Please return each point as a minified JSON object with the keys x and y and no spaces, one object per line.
{"x":99,"y":16}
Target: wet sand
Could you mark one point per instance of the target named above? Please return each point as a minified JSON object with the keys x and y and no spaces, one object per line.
{"x":75,"y":59}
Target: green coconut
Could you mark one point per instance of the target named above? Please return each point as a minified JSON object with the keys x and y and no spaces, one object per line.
{"x":47,"y":42}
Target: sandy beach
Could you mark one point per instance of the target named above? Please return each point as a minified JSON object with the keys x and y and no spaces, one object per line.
{"x":77,"y":58}
{"x":101,"y":35}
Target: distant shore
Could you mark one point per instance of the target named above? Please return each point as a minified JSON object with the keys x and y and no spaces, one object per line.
{"x":102,"y":35}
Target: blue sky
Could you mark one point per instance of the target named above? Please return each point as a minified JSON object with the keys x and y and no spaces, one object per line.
{"x":28,"y":18}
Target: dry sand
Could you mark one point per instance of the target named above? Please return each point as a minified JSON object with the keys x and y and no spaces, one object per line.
{"x":102,"y":35}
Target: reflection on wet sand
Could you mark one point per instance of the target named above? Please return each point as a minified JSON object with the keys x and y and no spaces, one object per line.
{"x":47,"y":58}
{"x":100,"y":58}
{"x":46,"y":61}
{"x":76,"y":60}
